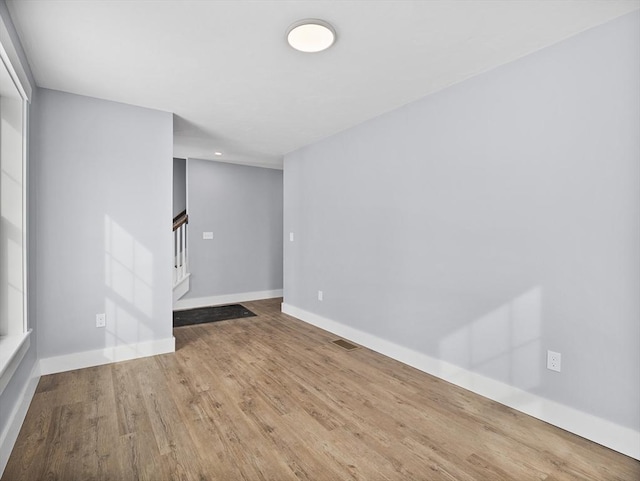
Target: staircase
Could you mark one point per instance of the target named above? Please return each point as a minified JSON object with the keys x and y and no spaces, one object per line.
{"x":180,"y":259}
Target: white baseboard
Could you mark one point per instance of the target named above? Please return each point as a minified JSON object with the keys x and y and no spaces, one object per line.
{"x":225,"y":299}
{"x":601,"y":431}
{"x":10,"y":433}
{"x":79,"y":360}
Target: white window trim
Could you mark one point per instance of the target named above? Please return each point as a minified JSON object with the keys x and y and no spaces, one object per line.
{"x":11,"y":59}
{"x":13,"y":348}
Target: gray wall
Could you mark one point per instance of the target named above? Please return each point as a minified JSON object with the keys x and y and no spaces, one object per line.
{"x":489,"y":222}
{"x":242,"y":206}
{"x":179,"y":186}
{"x":104,"y":216}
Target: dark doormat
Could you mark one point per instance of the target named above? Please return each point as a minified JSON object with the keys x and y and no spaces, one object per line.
{"x":203,"y":315}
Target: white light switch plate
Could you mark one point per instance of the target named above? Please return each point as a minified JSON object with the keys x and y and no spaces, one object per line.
{"x":207,"y":235}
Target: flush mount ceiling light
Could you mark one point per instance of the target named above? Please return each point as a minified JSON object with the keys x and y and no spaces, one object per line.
{"x":217,"y":153}
{"x":311,"y":35}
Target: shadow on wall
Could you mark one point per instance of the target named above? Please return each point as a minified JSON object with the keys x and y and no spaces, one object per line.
{"x":11,"y":295}
{"x":11,"y":222}
{"x":129,"y":281}
{"x":503,"y":344}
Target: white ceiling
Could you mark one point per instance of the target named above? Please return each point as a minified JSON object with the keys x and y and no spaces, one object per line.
{"x":224,"y":68}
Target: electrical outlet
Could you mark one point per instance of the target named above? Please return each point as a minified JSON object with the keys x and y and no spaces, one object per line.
{"x":554,"y":361}
{"x":320,"y":295}
{"x":207,"y":235}
{"x":101,"y":320}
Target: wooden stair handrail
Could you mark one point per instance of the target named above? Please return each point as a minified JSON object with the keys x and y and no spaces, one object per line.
{"x":180,"y":219}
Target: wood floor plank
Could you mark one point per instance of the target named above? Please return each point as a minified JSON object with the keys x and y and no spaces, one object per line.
{"x":33,"y":443}
{"x":272,"y":398}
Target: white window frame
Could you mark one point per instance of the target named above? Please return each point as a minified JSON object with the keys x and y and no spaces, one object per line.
{"x":13,"y":347}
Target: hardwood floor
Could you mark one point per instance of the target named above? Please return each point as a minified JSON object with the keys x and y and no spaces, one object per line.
{"x":272,"y":398}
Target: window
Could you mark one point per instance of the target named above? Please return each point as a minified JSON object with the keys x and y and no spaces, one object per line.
{"x":14,"y":333}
